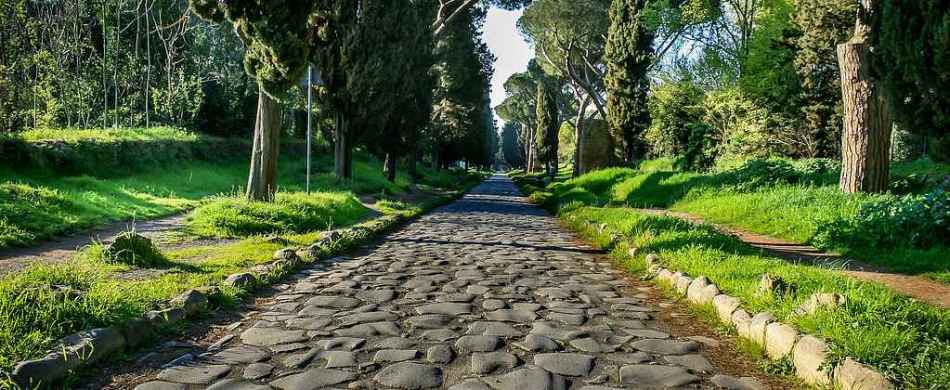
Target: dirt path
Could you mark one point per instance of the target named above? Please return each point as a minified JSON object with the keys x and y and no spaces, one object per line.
{"x":63,"y":249}
{"x":918,"y":287}
{"x":488,"y":292}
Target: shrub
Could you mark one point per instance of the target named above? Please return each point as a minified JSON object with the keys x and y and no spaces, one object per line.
{"x":919,"y":221}
{"x":128,"y":248}
{"x":674,"y":107}
{"x":739,"y":124}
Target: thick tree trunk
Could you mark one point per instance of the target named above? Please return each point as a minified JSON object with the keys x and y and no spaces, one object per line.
{"x":342,"y":151}
{"x":389,"y":167}
{"x":262,"y":179}
{"x":866,"y":136}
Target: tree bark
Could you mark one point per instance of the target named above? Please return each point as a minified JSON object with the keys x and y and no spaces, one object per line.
{"x":866,"y":136}
{"x":262,"y":179}
{"x":342,"y":150}
{"x":389,"y":167}
{"x":579,"y":137}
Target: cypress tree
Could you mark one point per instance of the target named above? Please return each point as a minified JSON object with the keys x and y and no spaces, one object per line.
{"x":628,"y":54}
{"x":548,"y":125}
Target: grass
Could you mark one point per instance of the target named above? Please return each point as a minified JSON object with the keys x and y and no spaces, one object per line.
{"x":907,"y":340}
{"x":791,"y":211}
{"x":37,"y":205}
{"x":235,"y":216}
{"x":107,"y":134}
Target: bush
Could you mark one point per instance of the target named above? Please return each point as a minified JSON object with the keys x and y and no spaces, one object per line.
{"x":739,"y":125}
{"x":919,"y":221}
{"x":289,"y":213}
{"x":674,"y":108}
{"x":756,"y":173}
{"x":128,"y":248}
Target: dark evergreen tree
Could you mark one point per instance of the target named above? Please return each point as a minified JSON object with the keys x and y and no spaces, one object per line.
{"x":548,"y":126}
{"x":628,"y":55}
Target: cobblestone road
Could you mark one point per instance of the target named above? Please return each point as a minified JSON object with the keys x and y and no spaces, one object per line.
{"x":486,"y":293}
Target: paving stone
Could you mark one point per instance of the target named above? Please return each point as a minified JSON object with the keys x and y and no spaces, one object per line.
{"x":439,"y":335}
{"x":646,"y":333}
{"x":527,"y":379}
{"x":629,"y":358}
{"x":237,"y":384}
{"x":569,"y":364}
{"x":429,"y":321}
{"x":394,"y":343}
{"x":468,"y":344}
{"x":362,"y":318}
{"x":159,"y":385}
{"x":334,"y":302}
{"x":244,"y":354}
{"x":341,"y":343}
{"x":693,"y":362}
{"x":470,"y":384}
{"x":313,"y":379}
{"x":448,"y":308}
{"x":511,"y":315}
{"x":408,"y":375}
{"x":538,"y":343}
{"x":666,"y":347}
{"x":196,"y":373}
{"x":487,"y":362}
{"x":655,"y":376}
{"x":338,"y":359}
{"x":493,"y":304}
{"x":440,"y":354}
{"x":257,"y":371}
{"x":370,"y":330}
{"x":491,"y":328}
{"x":395,"y":355}
{"x":272,"y":336}
{"x":376,"y":296}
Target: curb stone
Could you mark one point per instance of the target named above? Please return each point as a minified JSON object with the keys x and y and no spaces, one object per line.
{"x":85,"y":348}
{"x":808,"y":353}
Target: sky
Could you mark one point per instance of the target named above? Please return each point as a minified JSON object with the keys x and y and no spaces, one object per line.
{"x":510,"y":48}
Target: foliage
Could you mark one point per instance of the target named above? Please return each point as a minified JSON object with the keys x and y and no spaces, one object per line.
{"x":512,"y":144}
{"x":740,"y":126}
{"x":822,"y":26}
{"x":102,"y":152}
{"x":85,"y":64}
{"x":912,"y":53}
{"x":919,"y":221}
{"x":628,"y":55}
{"x":288,"y":213}
{"x":674,"y":107}
{"x":548,"y":124}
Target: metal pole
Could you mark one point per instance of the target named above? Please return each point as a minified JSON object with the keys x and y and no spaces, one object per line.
{"x":309,"y":119}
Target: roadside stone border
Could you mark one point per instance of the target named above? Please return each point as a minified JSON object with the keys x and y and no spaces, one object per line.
{"x":809,"y":354}
{"x":88,"y":347}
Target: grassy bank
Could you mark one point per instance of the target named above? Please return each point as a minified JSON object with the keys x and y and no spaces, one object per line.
{"x":40,"y":204}
{"x":798,"y":202}
{"x":907,"y":340}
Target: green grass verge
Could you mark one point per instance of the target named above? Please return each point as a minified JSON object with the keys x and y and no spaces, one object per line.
{"x":907,"y":340}
{"x":107,"y":134}
{"x":235,"y":216}
{"x":38,"y":205}
{"x":791,"y":211}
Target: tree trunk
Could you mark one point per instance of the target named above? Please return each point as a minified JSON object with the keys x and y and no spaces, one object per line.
{"x":412,"y":161}
{"x":262,"y":179}
{"x":866,"y":136}
{"x":389,"y":167}
{"x":342,"y":153}
{"x":579,"y":138}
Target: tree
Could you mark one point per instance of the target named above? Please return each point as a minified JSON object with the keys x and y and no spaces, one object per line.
{"x":548,"y":126}
{"x":912,"y":56}
{"x":279,"y":37}
{"x":865,"y":147}
{"x":628,"y":55}
{"x":511,"y":144}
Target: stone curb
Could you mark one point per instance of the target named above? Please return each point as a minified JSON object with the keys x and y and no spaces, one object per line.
{"x":809,"y":354}
{"x":87,"y":347}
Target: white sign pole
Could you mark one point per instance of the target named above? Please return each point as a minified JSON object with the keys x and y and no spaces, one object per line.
{"x":309,"y":119}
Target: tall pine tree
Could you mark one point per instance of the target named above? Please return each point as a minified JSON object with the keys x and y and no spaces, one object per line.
{"x":628,"y":54}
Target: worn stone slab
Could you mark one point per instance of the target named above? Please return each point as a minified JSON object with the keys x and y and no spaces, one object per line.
{"x":808,"y":355}
{"x":410,"y":376}
{"x":779,"y":339}
{"x":655,"y":376}
{"x":568,"y":364}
